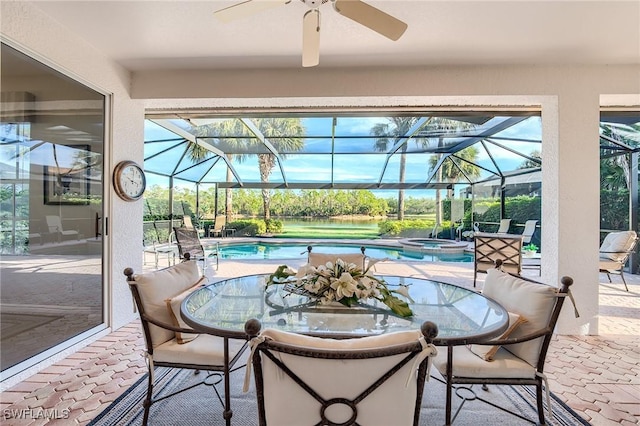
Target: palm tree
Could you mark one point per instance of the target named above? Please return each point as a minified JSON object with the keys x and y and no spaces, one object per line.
{"x":387,"y":134}
{"x":230,"y":136}
{"x":450,"y":171}
{"x":531,"y":164}
{"x":236,"y":139}
{"x":284,"y":134}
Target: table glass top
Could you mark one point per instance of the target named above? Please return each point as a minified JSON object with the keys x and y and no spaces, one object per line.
{"x":462,"y":315}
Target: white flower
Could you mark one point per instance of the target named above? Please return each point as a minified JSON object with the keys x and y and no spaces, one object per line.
{"x":345,"y":283}
{"x":305,"y":270}
{"x":345,"y":286}
{"x":404,"y":290}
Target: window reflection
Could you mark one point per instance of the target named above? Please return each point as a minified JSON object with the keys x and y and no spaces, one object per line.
{"x":51,"y":168}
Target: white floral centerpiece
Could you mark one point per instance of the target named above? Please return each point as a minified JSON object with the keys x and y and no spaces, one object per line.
{"x":342,"y":282}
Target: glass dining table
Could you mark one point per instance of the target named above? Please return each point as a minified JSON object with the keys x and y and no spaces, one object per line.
{"x":462,"y":315}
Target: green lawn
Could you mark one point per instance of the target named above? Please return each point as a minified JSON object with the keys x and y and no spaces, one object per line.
{"x":315,"y":230}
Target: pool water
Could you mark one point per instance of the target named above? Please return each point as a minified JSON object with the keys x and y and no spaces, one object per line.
{"x":273,"y":251}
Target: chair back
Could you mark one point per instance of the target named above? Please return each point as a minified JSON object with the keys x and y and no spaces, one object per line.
{"x":187,"y":222}
{"x":150,"y":293}
{"x":54,"y":223}
{"x":504,"y":226}
{"x":317,"y":259}
{"x":491,"y":247}
{"x":188,"y":241}
{"x":618,"y":246}
{"x":529,"y":230}
{"x":219,"y":223}
{"x":537,"y":303}
{"x":375,"y":380}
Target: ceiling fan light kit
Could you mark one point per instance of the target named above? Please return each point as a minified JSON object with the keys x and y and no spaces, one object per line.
{"x":356,"y":10}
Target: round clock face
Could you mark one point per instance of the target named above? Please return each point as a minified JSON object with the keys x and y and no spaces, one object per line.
{"x":129,"y":180}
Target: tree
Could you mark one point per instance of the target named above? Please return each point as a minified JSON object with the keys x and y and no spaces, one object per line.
{"x":449,"y":171}
{"x":284,"y":134}
{"x":531,"y":164}
{"x":239,"y":143}
{"x":230,"y":137}
{"x":387,"y":134}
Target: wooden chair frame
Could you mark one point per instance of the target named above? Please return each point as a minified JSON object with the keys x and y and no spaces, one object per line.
{"x":271,"y":349}
{"x":490,"y":247}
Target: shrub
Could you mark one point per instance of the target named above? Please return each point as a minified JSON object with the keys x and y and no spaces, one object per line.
{"x":248,"y":227}
{"x":274,"y":226}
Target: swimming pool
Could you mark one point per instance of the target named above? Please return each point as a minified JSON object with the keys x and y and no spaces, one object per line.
{"x":274,"y":251}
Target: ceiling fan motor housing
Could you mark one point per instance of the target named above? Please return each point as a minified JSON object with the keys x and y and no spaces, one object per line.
{"x":314,"y":4}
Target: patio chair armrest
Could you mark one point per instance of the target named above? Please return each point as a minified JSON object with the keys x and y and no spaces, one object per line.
{"x":166,"y":326}
{"x":514,"y":340}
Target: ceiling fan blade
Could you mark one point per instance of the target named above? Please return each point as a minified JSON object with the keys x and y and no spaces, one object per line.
{"x":246,"y":8}
{"x":371,"y":17}
{"x":311,"y":38}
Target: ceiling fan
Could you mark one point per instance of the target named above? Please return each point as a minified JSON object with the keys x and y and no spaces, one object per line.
{"x":356,"y":10}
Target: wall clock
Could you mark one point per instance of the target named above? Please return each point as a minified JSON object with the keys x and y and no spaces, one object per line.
{"x":129,"y":180}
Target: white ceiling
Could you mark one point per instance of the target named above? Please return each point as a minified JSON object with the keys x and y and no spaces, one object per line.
{"x":144,"y":35}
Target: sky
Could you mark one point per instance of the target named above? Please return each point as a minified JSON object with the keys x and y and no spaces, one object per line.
{"x":359,"y":165}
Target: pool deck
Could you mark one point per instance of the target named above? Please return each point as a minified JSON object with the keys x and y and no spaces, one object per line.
{"x":597,"y":376}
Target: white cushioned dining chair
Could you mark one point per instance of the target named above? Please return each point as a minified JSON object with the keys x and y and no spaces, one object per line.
{"x":377,"y":380}
{"x":518,"y":356}
{"x":317,"y":259}
{"x":172,"y":343}
{"x":615,"y":250}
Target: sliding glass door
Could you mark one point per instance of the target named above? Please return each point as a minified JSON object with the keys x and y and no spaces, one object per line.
{"x":52,"y":131}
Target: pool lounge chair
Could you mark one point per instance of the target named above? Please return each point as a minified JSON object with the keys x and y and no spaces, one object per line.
{"x":504,"y":226}
{"x":615,"y":250}
{"x":219,"y":224}
{"x":54,"y":223}
{"x":529,"y":230}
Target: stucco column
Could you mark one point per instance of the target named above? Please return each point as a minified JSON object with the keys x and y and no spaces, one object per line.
{"x":571,"y":201}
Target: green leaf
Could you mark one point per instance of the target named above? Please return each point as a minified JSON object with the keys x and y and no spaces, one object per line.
{"x":398,"y":306}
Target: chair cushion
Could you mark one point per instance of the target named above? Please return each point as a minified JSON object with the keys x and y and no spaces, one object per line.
{"x":534,"y":302}
{"x":369,"y":342}
{"x":467,"y":364}
{"x":619,"y":242}
{"x":317,"y":259}
{"x":391,"y":404}
{"x":487,"y":352}
{"x":205,"y":349}
{"x":610,"y":265}
{"x":155,"y":287}
{"x":173,"y":304}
